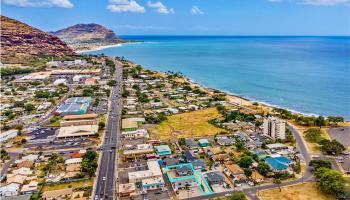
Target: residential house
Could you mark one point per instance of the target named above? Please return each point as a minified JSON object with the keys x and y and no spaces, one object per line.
{"x":163,"y":150}
{"x":8,"y":190}
{"x":199,"y":164}
{"x":57,"y":194}
{"x":191,"y":143}
{"x":184,"y":170}
{"x":215,"y":178}
{"x":235,"y":172}
{"x":203,"y":142}
{"x":30,"y":188}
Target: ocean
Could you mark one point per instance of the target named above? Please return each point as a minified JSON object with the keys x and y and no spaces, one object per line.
{"x":310,"y":75}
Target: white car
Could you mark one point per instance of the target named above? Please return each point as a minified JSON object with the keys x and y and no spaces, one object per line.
{"x":104,"y":178}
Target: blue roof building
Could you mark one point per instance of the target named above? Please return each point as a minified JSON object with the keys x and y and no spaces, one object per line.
{"x":203,"y":143}
{"x":74,"y":106}
{"x":278,"y":163}
{"x":163,"y":150}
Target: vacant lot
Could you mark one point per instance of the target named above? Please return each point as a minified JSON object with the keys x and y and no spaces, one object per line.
{"x":305,"y":191}
{"x":192,"y":124}
{"x":73,"y":185}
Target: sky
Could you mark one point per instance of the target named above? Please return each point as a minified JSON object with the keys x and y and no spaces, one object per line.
{"x":188,"y":17}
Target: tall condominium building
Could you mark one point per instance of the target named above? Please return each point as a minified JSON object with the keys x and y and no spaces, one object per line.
{"x":275,"y":128}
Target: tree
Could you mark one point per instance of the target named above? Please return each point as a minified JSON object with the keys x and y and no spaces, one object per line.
{"x":246,"y":161}
{"x":332,"y":147}
{"x":29,"y":107}
{"x":18,"y":104}
{"x":4,"y":155}
{"x":313,"y":135}
{"x":42,"y":94}
{"x":263,"y":168}
{"x":316,"y":164}
{"x":89,"y":162}
{"x":331,"y":182}
{"x":101,"y":125}
{"x":239,"y":145}
{"x":278,"y":182}
{"x":289,"y":136}
{"x":335,"y":120}
{"x":248,"y":172}
{"x":320,"y":121}
{"x":112,"y":83}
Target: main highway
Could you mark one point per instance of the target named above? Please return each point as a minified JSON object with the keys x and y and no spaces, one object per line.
{"x":105,"y":185}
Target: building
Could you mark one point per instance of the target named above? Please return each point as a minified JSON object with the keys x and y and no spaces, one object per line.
{"x":203,"y":142}
{"x":140,"y":150}
{"x":278,"y":163}
{"x":257,"y":177}
{"x":57,"y":194}
{"x":275,"y":128}
{"x":127,"y":189}
{"x":191,"y":143}
{"x":30,"y":188}
{"x":150,"y":179}
{"x":77,"y":131}
{"x":225,"y":141}
{"x":163,"y":150}
{"x":60,"y":81}
{"x":77,"y":120}
{"x":184,"y":170}
{"x":215,"y":178}
{"x":235,"y":172}
{"x":9,"y":190}
{"x":276,"y":147}
{"x":139,"y":133}
{"x":4,"y":136}
{"x":199,"y":164}
{"x":74,"y":106}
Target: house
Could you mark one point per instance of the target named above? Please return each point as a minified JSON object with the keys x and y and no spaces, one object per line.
{"x":225,"y":141}
{"x":57,"y":194}
{"x":220,"y":157}
{"x":179,"y":184}
{"x":191,"y":143}
{"x":25,"y":163}
{"x":189,"y":156}
{"x":257,"y":177}
{"x":73,"y":164}
{"x":184,"y":170}
{"x":15,"y":178}
{"x":235,"y":172}
{"x":30,"y":188}
{"x":9,"y":190}
{"x":60,"y":81}
{"x":23,"y":171}
{"x":215,"y":178}
{"x":278,"y":163}
{"x":203,"y":142}
{"x":199,"y":164}
{"x":261,"y":154}
{"x":6,"y":135}
{"x":163,"y":150}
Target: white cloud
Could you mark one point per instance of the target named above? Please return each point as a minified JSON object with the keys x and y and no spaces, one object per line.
{"x":161,"y":8}
{"x":317,"y":2}
{"x":39,"y":3}
{"x":119,"y":6}
{"x":195,"y":10}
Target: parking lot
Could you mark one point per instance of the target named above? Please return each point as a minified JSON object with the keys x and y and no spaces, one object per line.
{"x":42,"y":133}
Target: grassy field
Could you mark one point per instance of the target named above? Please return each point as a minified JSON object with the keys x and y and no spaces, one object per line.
{"x":314,"y":148}
{"x":192,"y":124}
{"x":73,"y":185}
{"x":305,"y":191}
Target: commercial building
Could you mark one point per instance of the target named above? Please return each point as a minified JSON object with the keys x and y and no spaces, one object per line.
{"x":275,"y":128}
{"x":4,"y":136}
{"x":139,"y":133}
{"x":74,"y":106}
{"x":150,"y":179}
{"x":77,"y":120}
{"x":77,"y":131}
{"x":140,"y":150}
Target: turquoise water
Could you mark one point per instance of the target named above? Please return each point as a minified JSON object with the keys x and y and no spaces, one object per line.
{"x":305,"y":74}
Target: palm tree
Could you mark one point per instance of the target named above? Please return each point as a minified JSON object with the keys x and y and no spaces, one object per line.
{"x":278,"y":182}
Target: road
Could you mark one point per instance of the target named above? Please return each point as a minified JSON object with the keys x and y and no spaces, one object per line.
{"x":252,"y":192}
{"x":105,"y":187}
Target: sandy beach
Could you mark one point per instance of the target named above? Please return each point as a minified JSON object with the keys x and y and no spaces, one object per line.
{"x":96,"y":48}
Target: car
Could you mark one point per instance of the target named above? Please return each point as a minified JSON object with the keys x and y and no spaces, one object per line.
{"x":104,"y":178}
{"x":340,"y":161}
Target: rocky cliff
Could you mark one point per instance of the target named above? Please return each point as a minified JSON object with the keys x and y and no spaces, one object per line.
{"x":20,"y":41}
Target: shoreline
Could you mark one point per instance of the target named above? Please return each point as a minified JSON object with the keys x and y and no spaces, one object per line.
{"x":241,"y":101}
{"x":101,"y":47}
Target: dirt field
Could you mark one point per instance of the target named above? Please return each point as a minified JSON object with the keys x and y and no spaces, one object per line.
{"x":192,"y":124}
{"x":67,"y":185}
{"x":306,"y":191}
